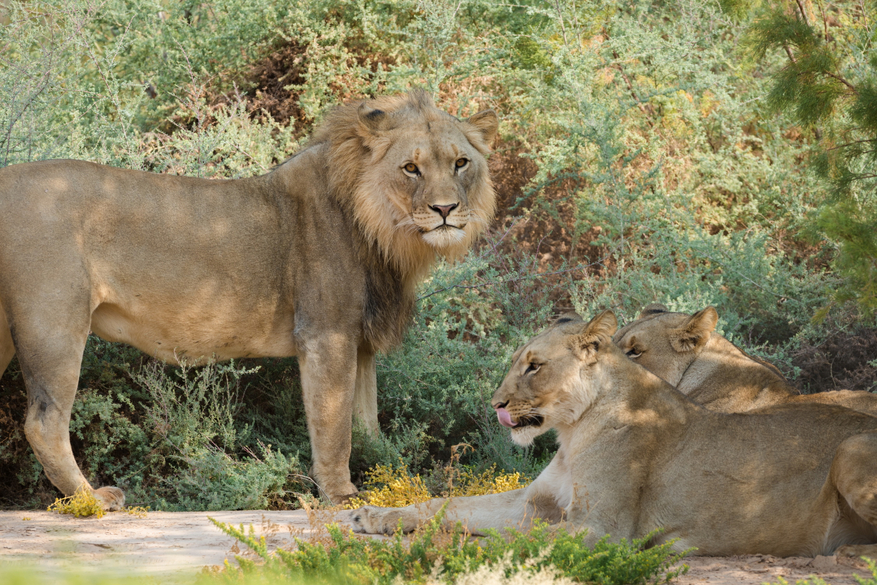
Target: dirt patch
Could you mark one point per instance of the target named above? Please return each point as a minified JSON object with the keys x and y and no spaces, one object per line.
{"x":176,"y":545}
{"x":170,"y":545}
{"x":758,"y":569}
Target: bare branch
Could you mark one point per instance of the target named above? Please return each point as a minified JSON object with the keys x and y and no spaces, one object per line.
{"x":803,"y":12}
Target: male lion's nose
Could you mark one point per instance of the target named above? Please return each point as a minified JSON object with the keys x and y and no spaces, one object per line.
{"x":444,"y":210}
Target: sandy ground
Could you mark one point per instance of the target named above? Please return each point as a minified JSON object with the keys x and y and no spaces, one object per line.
{"x":172,"y":546}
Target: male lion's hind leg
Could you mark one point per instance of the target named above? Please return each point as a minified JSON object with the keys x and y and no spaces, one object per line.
{"x":50,"y":360}
{"x":854,"y":473}
{"x":365,"y":401}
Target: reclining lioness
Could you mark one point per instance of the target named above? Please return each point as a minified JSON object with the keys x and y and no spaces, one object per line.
{"x":686,"y":351}
{"x":635,"y":454}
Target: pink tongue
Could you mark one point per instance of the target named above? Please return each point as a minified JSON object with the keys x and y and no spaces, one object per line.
{"x":505,"y":419}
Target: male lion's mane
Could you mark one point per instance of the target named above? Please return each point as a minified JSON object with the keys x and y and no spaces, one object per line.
{"x":395,"y":257}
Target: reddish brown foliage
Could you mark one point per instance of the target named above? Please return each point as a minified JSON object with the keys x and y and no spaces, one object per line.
{"x":839,"y":362}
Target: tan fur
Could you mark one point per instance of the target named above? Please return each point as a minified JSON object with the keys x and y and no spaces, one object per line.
{"x":686,"y":351}
{"x":636,"y":455}
{"x":318,"y":259}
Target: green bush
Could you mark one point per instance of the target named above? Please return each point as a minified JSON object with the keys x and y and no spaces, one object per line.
{"x":435,"y":555}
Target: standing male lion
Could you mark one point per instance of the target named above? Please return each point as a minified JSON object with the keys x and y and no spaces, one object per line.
{"x":319,"y":259}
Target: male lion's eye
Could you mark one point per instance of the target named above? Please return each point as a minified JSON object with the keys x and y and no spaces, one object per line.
{"x":461,"y":162}
{"x":411,"y":169}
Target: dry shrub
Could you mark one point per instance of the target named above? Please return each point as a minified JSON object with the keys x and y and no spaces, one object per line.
{"x":81,"y":504}
{"x":843,"y":361}
{"x":390,"y":487}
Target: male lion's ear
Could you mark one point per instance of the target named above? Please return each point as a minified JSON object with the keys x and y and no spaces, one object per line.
{"x":652,"y":309}
{"x":487,"y":123}
{"x":372,"y":120}
{"x":695,"y":332}
{"x":567,"y":317}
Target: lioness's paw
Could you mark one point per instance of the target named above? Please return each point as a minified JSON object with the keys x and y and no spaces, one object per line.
{"x":111,"y":498}
{"x":374,"y":520}
{"x":857,"y":550}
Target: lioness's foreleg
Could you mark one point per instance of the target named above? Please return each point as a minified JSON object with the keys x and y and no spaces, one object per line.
{"x":512,"y":509}
{"x":7,"y":348}
{"x":328,"y":375}
{"x":854,"y":473}
{"x":365,"y":405}
{"x":50,"y":359}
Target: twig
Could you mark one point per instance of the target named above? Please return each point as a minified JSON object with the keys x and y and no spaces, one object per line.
{"x":803,"y":12}
{"x":842,"y":80}
{"x":560,"y":17}
{"x":639,"y":103}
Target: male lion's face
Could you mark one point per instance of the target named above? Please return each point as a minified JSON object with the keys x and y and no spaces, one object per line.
{"x":552,"y":379}
{"x":435,"y":172}
{"x":425,"y":187}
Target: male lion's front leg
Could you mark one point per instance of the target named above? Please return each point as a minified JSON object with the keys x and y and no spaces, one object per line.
{"x":328,"y":375}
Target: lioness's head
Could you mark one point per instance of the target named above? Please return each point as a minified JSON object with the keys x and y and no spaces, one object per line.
{"x":553,"y":377}
{"x":667,"y":343}
{"x":415,"y":177}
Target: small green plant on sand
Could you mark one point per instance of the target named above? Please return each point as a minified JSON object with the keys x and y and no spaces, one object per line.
{"x":434,"y":555}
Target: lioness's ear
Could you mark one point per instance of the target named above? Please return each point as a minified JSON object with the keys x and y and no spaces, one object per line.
{"x":695,"y":332}
{"x":603,"y":324}
{"x":599,"y":329}
{"x":487,"y":123}
{"x":652,"y":309}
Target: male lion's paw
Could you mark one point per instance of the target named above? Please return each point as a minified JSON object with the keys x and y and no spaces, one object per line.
{"x":374,"y":520}
{"x":111,"y":498}
{"x":340,"y":494}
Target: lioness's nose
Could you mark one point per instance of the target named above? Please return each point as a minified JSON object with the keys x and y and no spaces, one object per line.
{"x":444,"y":210}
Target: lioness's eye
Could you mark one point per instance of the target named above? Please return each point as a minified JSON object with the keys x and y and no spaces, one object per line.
{"x":461,"y":162}
{"x":532,"y":367}
{"x":634,"y":353}
{"x":411,"y":169}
